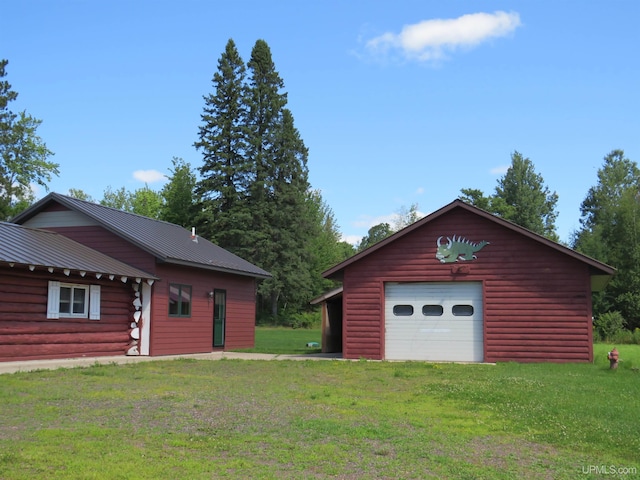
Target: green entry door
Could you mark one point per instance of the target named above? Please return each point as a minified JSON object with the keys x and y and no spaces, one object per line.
{"x":219,"y":317}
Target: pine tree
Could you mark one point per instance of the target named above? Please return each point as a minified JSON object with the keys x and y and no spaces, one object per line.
{"x":520,"y":197}
{"x":225,"y":172}
{"x":529,"y":203}
{"x":255,"y":187}
{"x":290,"y":222}
{"x":264,"y":102}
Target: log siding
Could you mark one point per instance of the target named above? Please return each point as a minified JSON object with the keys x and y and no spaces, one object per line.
{"x":537,"y":301}
{"x":27,"y":334}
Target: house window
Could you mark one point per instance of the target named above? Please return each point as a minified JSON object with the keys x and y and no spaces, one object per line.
{"x":74,"y":300}
{"x":68,"y":300}
{"x":179,"y":300}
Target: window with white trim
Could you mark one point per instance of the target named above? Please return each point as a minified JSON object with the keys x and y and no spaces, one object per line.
{"x":69,"y":300}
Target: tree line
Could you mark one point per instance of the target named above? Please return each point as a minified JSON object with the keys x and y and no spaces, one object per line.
{"x":251,"y":194}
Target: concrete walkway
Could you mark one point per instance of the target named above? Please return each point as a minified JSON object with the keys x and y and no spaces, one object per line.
{"x":31,"y":365}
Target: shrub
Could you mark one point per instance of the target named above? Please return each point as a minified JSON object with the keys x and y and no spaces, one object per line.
{"x":293,"y":320}
{"x":305,"y":320}
{"x":609,"y":325}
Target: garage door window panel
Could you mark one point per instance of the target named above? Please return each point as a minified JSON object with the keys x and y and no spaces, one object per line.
{"x":403,"y":310}
{"x":462,"y":310}
{"x":432,"y":310}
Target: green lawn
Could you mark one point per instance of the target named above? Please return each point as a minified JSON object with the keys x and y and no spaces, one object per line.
{"x":283,"y":340}
{"x":200,"y":419}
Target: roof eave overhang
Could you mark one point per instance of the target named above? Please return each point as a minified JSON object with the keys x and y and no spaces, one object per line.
{"x":215,"y":268}
{"x":75,"y":270}
{"x":330,"y":295}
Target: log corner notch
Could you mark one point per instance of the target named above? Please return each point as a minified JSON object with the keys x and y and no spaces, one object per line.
{"x":134,"y":333}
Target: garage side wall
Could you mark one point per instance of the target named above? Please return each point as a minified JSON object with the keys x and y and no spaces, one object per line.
{"x":537,"y":301}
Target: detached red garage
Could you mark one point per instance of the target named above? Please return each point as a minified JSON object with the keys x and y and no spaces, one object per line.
{"x":464,"y":285}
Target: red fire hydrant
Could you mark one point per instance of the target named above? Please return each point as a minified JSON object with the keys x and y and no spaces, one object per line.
{"x":613,"y":358}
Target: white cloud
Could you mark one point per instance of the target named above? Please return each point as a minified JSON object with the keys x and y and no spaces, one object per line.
{"x":352,"y":239}
{"x":367,"y":221}
{"x":430,"y":40}
{"x":420,"y":191}
{"x":149,"y":176}
{"x":501,"y":170}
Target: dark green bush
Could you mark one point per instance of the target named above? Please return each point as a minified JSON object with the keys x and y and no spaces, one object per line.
{"x":608,"y":326}
{"x":305,"y":320}
{"x":293,"y":320}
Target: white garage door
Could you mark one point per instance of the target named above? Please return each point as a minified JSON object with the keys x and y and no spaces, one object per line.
{"x":434,"y":321}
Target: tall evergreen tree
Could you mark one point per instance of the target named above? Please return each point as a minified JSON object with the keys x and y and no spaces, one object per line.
{"x":266,"y":137}
{"x":529,"y":203}
{"x":255,"y":188}
{"x":290,"y":222}
{"x":225,"y":172}
{"x":520,"y":197}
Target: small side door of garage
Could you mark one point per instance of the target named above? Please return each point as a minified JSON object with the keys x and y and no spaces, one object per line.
{"x":434,"y":321}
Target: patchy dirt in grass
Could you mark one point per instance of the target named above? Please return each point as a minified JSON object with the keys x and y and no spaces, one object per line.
{"x":511,"y":454}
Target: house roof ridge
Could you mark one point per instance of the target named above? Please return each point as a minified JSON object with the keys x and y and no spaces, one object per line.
{"x":164,"y":240}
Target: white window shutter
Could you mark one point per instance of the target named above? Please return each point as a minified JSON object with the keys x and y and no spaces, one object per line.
{"x":94,"y":302}
{"x":53,"y":300}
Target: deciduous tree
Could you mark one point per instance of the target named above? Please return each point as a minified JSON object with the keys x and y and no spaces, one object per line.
{"x":23,"y":154}
{"x":180,"y":197}
{"x":374,"y":235}
{"x":146,"y":202}
{"x":610,"y":232}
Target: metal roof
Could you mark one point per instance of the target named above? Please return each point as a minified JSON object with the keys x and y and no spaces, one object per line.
{"x":44,"y":249}
{"x":166,"y":241}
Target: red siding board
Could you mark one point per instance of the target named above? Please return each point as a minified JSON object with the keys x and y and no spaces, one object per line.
{"x":26,"y":333}
{"x":177,"y":335}
{"x":538,"y":296}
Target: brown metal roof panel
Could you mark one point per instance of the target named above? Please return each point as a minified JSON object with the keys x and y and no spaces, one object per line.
{"x":41,"y":248}
{"x":167,"y":241}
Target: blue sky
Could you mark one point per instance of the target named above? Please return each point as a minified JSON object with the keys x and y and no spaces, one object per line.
{"x":399,"y":102}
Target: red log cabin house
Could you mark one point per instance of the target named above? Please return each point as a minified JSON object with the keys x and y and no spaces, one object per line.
{"x":78,"y":279}
{"x":463,"y":285}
